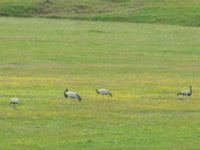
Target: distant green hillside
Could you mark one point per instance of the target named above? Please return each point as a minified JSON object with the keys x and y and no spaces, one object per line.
{"x":181,"y":12}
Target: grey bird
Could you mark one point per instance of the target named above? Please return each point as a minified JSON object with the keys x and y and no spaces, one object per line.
{"x":185,"y":92}
{"x":72,"y":95}
{"x":103,"y":92}
{"x":14,"y":101}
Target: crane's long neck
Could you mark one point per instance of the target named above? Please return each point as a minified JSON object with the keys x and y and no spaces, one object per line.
{"x":190,"y":91}
{"x":97,"y":91}
{"x":65,"y":94}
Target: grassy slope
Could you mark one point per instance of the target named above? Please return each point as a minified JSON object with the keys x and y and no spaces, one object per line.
{"x":144,"y":66}
{"x":185,"y":12}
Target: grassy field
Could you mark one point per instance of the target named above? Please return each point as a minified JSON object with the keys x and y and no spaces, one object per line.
{"x":144,"y":66}
{"x":181,"y":12}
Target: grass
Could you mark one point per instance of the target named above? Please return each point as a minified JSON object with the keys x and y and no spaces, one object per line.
{"x":185,"y":12}
{"x":144,"y":65}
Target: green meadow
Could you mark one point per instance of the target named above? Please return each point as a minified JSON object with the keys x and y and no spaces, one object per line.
{"x":143,"y":65}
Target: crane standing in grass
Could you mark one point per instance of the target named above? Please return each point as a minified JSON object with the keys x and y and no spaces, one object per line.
{"x":72,"y":95}
{"x":185,"y":92}
{"x":103,"y":92}
{"x":14,"y":101}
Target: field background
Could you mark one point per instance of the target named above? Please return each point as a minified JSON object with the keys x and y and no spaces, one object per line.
{"x":144,"y":65}
{"x":181,"y":12}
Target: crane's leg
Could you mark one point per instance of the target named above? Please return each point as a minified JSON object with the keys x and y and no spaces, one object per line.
{"x":180,"y":97}
{"x":75,"y":102}
{"x":14,"y":106}
{"x":103,"y":98}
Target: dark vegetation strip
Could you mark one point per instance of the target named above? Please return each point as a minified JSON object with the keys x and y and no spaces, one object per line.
{"x":137,"y":11}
